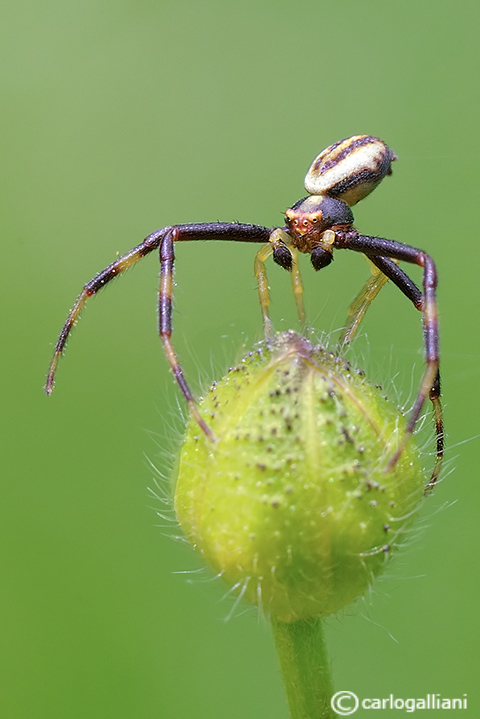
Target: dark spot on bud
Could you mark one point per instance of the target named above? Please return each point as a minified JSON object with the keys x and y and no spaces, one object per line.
{"x":347,"y":435}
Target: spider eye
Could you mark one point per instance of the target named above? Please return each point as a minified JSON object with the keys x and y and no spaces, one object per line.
{"x":320,"y":258}
{"x":283,"y":257}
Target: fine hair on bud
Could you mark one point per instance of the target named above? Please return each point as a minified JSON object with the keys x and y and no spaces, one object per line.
{"x":292,"y":504}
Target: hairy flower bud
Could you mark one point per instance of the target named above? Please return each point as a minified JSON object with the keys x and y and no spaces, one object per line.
{"x":291,"y":504}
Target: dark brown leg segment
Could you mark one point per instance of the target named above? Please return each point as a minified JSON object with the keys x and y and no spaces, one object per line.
{"x":91,"y":288}
{"x":210,"y":231}
{"x":167,"y":258}
{"x":379,"y":250}
{"x":163,"y":239}
{"x":235,"y":232}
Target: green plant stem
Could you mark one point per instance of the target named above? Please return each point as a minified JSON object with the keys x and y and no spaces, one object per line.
{"x":305,"y":668}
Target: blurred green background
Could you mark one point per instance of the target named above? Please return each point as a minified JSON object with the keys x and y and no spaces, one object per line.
{"x":119,"y":118}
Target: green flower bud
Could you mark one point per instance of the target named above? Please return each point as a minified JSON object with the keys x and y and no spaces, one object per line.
{"x":292,"y":505}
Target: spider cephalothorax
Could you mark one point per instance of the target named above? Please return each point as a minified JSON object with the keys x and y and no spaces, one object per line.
{"x":339,"y":177}
{"x":311,"y":223}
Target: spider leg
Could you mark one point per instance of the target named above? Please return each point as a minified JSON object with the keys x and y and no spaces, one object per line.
{"x":379,"y":250}
{"x":236,"y":232}
{"x":383,"y":269}
{"x":278,"y":240}
{"x":394,"y":273}
{"x":410,"y":290}
{"x":362,"y":302}
{"x":297,"y":286}
{"x":163,"y":239}
{"x":263,"y":254}
{"x":167,"y":258}
{"x":109,"y":273}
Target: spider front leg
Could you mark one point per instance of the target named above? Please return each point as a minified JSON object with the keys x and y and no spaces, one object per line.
{"x":286,"y":256}
{"x":91,"y":288}
{"x":163,"y":239}
{"x":379,"y":251}
{"x":167,"y":258}
{"x":235,"y":232}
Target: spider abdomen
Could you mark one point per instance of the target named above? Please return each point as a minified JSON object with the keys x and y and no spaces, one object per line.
{"x":350,"y":169}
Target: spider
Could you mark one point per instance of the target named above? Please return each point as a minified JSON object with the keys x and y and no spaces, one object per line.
{"x":339,"y":177}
